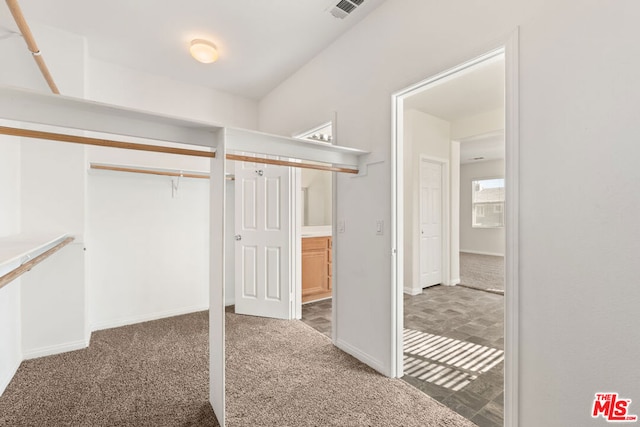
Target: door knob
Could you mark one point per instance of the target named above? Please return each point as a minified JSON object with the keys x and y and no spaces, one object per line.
{"x":238,"y":237}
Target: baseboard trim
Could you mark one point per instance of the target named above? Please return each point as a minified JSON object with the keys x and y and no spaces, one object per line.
{"x":55,"y":349}
{"x":363,"y":357}
{"x":4,"y":382}
{"x":480,"y":253}
{"x":317,"y":300}
{"x":147,"y":317}
{"x":454,"y":282}
{"x":412,"y":291}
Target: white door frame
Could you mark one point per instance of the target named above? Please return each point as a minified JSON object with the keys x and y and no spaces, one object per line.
{"x":296,"y":245}
{"x":444,"y":222}
{"x":509,"y":47}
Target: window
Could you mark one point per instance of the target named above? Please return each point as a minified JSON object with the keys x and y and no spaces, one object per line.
{"x":487,"y":203}
{"x":322,"y":133}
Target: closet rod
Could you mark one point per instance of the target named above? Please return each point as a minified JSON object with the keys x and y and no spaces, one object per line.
{"x":101,"y":142}
{"x":16,"y":11}
{"x":74,"y":139}
{"x":287,"y":163}
{"x":14,"y":274}
{"x":165,"y":172}
{"x":148,"y":171}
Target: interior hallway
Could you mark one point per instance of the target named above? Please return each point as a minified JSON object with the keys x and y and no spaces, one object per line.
{"x":456,"y":320}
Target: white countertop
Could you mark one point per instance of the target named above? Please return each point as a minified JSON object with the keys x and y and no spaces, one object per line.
{"x":317,"y":231}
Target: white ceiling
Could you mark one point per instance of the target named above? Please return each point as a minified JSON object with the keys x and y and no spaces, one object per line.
{"x":474,"y":91}
{"x":261,"y":43}
{"x":471,"y":92}
{"x":482,"y":148}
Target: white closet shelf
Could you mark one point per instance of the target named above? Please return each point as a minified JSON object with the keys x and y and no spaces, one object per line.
{"x":19,"y":249}
{"x":38,"y":108}
{"x":42,"y":109}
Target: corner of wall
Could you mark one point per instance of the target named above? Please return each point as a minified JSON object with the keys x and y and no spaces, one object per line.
{"x":10,"y":333}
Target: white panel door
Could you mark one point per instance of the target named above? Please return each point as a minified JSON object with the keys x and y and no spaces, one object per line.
{"x":263,"y":240}
{"x":430,"y":223}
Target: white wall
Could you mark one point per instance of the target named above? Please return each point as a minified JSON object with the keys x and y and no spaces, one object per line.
{"x":488,"y":241}
{"x":53,"y":191}
{"x":43,"y":190}
{"x":115,"y":84}
{"x":454,"y":212}
{"x":60,"y":52}
{"x":230,"y":248}
{"x":149,"y":250}
{"x":54,"y":304}
{"x":9,"y":185}
{"x":479,"y":124}
{"x":10,"y":334}
{"x":47,"y":311}
{"x":319,"y":195}
{"x":578,"y":133}
{"x":159,"y":244}
{"x":10,"y":325}
{"x":430,"y":136}
{"x":10,"y":322}
{"x":54,"y":294}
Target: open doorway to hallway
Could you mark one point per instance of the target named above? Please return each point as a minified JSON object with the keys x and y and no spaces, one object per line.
{"x":454,"y":240}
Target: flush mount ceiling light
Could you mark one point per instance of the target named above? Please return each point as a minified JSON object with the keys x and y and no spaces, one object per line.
{"x":203,"y":51}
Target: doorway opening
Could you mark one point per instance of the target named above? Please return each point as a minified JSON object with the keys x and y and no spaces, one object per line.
{"x":316,"y":238}
{"x":282,"y":234}
{"x":450,"y":134}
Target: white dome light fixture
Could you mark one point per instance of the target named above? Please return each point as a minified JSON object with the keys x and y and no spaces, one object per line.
{"x":203,"y":51}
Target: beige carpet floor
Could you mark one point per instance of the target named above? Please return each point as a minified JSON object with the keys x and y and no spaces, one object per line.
{"x":279,"y":373}
{"x":482,"y":271}
{"x":148,"y":374}
{"x":285,"y":373}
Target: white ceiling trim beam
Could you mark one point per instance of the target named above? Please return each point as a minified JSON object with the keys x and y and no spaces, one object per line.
{"x":62,"y":111}
{"x":240,"y":140}
{"x":39,"y":108}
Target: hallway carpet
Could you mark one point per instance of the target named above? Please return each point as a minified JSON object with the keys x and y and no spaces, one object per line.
{"x":279,"y":373}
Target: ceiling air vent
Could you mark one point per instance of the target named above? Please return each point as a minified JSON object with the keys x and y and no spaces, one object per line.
{"x":345,"y":7}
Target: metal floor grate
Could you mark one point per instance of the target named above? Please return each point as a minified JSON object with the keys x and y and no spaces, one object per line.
{"x":446,"y":362}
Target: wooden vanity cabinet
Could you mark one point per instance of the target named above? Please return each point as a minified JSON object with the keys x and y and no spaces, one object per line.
{"x":316,"y":268}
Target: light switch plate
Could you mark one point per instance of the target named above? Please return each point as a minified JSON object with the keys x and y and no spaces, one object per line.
{"x":379,"y":227}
